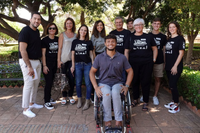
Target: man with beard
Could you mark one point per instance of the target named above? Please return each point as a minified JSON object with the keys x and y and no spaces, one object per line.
{"x":110,"y":65}
{"x":29,"y":54}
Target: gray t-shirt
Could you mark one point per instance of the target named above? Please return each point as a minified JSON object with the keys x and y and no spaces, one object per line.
{"x":98,"y":43}
{"x":110,"y":69}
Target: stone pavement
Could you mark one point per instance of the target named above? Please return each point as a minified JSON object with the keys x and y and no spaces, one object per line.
{"x":70,"y":119}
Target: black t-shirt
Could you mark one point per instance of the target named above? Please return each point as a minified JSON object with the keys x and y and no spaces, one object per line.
{"x":160,"y":40}
{"x":122,"y":39}
{"x":32,"y":38}
{"x":51,"y":46}
{"x":172,"y":48}
{"x":140,"y":48}
{"x":82,"y":50}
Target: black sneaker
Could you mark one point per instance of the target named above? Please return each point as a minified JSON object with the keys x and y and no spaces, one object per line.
{"x":49,"y":105}
{"x":52,"y":101}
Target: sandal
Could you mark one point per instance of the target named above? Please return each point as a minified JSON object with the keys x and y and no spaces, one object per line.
{"x":72,"y":101}
{"x":134,"y":103}
{"x":144,"y":107}
{"x":64,"y":102}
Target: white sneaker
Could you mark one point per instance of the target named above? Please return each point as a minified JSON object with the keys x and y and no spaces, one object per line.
{"x":155,"y":100}
{"x":169,"y":105}
{"x":141,"y":99}
{"x":174,"y":109}
{"x":29,"y":113}
{"x":37,"y":106}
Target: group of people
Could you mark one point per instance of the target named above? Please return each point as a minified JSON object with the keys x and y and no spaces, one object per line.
{"x":125,"y":58}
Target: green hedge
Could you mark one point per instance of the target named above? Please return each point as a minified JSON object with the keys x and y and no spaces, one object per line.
{"x":189,"y":86}
{"x":15,"y":74}
{"x":9,"y":52}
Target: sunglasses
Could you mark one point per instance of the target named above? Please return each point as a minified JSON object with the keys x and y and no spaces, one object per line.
{"x":52,"y":28}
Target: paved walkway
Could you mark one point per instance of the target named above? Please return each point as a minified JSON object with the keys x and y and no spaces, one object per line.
{"x":157,"y":120}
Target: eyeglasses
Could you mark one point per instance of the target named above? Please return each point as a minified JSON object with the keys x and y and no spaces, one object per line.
{"x":52,"y":28}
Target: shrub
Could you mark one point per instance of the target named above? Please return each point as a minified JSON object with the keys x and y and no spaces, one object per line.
{"x":13,"y":71}
{"x":189,"y":86}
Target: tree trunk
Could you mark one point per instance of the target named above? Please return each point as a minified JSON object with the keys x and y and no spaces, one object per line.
{"x":4,"y":44}
{"x":190,"y":50}
{"x":191,"y":37}
{"x":82,"y":18}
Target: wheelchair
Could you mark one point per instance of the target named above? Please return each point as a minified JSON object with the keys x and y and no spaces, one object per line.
{"x":126,"y":114}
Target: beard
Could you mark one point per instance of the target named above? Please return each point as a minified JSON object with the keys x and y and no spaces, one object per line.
{"x":35,"y":26}
{"x":110,"y":49}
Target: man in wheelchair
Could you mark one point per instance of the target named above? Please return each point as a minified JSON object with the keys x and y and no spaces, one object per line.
{"x":110,"y":65}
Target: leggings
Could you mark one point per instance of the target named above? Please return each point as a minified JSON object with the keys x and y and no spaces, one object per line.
{"x":173,"y":80}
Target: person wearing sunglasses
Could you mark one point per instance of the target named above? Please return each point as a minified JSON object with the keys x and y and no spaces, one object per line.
{"x":49,"y":61}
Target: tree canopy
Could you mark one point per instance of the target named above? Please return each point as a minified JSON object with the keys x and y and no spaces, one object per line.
{"x":45,"y":7}
{"x":148,"y":10}
{"x":189,"y":14}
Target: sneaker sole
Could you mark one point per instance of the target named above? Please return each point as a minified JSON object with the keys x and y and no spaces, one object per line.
{"x":173,"y":112}
{"x":167,"y":107}
{"x":49,"y":108}
{"x":29,"y":116}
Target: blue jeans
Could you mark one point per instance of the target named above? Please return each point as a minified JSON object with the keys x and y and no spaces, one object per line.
{"x":114,"y":93}
{"x":80,"y":69}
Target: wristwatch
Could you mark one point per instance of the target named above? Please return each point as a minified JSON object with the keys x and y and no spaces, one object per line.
{"x":127,"y":85}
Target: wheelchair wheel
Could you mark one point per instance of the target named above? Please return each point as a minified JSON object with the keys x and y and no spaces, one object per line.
{"x":128,"y":107}
{"x":98,"y":113}
{"x":95,"y":106}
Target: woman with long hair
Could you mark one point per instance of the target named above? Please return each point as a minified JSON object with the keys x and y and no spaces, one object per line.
{"x":97,"y":38}
{"x":82,"y":59}
{"x":174,"y":52}
{"x":64,"y":57}
{"x":49,"y":61}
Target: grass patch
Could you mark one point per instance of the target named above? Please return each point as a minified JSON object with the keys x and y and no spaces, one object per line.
{"x":8,"y":49}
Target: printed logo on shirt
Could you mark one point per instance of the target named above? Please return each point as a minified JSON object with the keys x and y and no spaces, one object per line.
{"x":157,"y":41}
{"x":140,"y":44}
{"x":158,"y":38}
{"x":120,"y":40}
{"x":168,"y":48}
{"x":53,"y":47}
{"x":81,"y":49}
{"x":183,"y":45}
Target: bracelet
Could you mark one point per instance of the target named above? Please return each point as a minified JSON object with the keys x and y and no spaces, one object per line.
{"x":44,"y":65}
